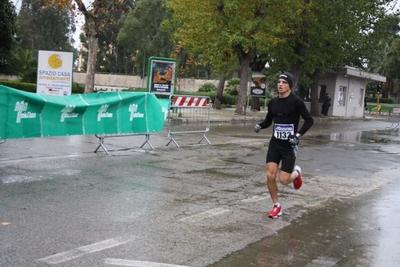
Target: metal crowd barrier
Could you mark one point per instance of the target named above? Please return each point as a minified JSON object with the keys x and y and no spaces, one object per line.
{"x":188,"y":115}
{"x":102,"y":137}
{"x":395,"y":122}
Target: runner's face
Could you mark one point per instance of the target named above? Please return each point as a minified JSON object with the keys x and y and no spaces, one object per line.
{"x":283,"y":87}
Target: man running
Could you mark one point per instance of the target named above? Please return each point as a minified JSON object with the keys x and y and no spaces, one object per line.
{"x":285,"y":111}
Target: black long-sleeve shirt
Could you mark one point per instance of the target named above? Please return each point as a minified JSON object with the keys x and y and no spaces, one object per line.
{"x":285,"y":113}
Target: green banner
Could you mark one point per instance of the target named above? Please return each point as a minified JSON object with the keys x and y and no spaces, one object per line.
{"x":25,"y":115}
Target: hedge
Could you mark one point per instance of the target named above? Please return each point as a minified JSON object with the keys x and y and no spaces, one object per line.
{"x":31,"y":87}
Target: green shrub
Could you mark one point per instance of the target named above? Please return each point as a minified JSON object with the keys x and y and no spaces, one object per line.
{"x":228,"y":99}
{"x":28,"y":87}
{"x":208,"y":87}
{"x":78,"y":88}
{"x":135,"y":89}
{"x":233,"y":86}
{"x":381,"y":100}
{"x":31,"y":87}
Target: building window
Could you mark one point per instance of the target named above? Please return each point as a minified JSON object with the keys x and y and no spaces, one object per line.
{"x":342,"y":96}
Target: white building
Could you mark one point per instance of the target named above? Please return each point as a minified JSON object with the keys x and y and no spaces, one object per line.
{"x":347,"y":89}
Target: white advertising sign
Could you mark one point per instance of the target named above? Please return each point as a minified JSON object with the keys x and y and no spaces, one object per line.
{"x":54,"y":75}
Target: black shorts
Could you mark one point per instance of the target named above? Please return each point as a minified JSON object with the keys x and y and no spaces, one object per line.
{"x":278,"y":152}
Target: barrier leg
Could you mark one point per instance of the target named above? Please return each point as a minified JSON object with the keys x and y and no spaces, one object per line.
{"x":172,"y":140}
{"x":397,"y":125}
{"x":101,"y":144}
{"x":204,"y":138}
{"x":394,"y":125}
{"x":147,"y":142}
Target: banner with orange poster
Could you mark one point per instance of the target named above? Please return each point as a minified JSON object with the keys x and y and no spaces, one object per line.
{"x":161,"y":77}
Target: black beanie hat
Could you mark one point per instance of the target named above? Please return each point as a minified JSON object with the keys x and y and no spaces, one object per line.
{"x":287,"y":76}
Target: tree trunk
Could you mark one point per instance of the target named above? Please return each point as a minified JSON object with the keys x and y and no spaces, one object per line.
{"x":314,"y":95}
{"x":220,"y":91}
{"x":92,"y":37}
{"x":244,"y":61}
{"x":296,"y":73}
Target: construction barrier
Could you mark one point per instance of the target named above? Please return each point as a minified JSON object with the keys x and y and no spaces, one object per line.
{"x":102,"y":137}
{"x":111,"y":114}
{"x":188,"y":115}
{"x":395,"y":122}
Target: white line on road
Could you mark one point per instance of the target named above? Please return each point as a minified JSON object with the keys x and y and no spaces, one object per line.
{"x":79,"y":252}
{"x":204,"y":215}
{"x":122,"y":262}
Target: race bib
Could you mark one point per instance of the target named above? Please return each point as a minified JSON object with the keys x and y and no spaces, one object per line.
{"x":282,"y":131}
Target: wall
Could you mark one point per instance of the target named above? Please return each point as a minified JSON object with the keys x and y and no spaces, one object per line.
{"x":8,"y":77}
{"x":114,"y":82}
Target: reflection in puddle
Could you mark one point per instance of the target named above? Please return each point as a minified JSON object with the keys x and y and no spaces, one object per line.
{"x":374,"y":136}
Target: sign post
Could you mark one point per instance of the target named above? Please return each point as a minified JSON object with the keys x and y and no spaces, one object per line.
{"x":259,"y":86}
{"x":54,"y":75}
{"x":161,"y":75}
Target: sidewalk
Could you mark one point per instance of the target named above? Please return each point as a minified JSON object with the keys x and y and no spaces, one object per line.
{"x":229,"y":115}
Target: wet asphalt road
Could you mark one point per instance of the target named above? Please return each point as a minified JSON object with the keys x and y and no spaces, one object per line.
{"x":63,"y":205}
{"x":363,"y":231}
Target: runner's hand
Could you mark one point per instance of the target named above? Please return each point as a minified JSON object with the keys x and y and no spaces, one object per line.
{"x":257,"y":128}
{"x":293,"y":140}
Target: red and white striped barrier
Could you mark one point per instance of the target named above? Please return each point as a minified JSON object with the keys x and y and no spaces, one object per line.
{"x":188,"y":115}
{"x":189,"y":101}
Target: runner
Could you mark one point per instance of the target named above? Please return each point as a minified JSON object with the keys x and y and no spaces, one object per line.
{"x":285,"y":111}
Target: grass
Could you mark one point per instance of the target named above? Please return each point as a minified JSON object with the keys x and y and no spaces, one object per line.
{"x":383,"y":108}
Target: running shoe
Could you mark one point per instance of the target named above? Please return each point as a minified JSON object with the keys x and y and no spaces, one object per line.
{"x":299,"y":180}
{"x":275,"y":212}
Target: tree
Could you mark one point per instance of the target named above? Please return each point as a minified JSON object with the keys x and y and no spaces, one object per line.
{"x":93,"y":26}
{"x":7,"y":31}
{"x":310,"y":38}
{"x":39,"y":28}
{"x":226,"y":30}
{"x":386,"y":59}
{"x":327,"y":35}
{"x":142,"y":34}
{"x":44,"y":28}
{"x":111,"y":57}
{"x":25,"y":61}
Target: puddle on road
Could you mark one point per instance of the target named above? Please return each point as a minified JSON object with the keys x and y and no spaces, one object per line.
{"x":379,"y":137}
{"x":337,"y":234}
{"x":382,"y":136}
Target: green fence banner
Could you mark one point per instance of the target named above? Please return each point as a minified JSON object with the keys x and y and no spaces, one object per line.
{"x":26,"y":115}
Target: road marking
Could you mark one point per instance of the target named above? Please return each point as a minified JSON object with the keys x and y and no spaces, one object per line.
{"x":204,"y":215}
{"x":253,"y":199}
{"x":122,"y":262}
{"x":81,"y":251}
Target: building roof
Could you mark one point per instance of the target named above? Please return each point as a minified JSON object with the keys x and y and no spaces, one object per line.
{"x":351,"y":71}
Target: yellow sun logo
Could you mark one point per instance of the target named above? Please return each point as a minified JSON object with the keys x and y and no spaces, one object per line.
{"x":55,"y":61}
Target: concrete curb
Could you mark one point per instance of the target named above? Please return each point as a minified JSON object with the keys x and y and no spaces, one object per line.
{"x":229,"y":116}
